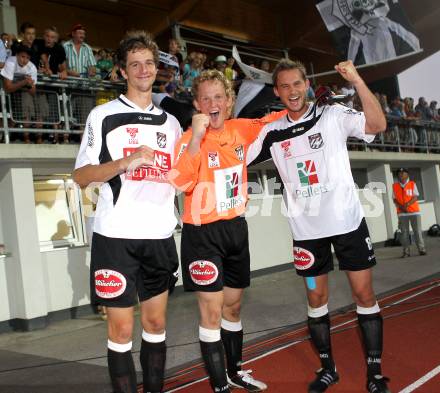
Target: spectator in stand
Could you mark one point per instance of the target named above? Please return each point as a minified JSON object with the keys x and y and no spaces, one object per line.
{"x":230,"y":73}
{"x":80,"y":59}
{"x":408,"y":108}
{"x":174,"y":49}
{"x":105,"y":63}
{"x":5,"y":38}
{"x":52,"y":54}
{"x":434,"y":111}
{"x":422,"y":109}
{"x":335,"y":89}
{"x":28,"y":34}
{"x":265,"y":66}
{"x":52,"y":63}
{"x":192,"y":69}
{"x":20,"y":75}
{"x":397,"y":108}
{"x":384,"y":104}
{"x":3,"y":54}
{"x":220,"y":63}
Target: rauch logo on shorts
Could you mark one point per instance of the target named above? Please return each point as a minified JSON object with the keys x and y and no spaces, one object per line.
{"x":109,"y":283}
{"x":302,"y":258}
{"x":203,"y":272}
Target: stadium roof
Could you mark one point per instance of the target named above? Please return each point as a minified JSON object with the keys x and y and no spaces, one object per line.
{"x":276,"y":24}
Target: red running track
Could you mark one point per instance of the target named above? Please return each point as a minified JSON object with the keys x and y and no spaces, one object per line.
{"x":411,"y":351}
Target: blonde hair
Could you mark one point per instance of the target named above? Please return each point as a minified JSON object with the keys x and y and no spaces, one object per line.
{"x":212,"y":76}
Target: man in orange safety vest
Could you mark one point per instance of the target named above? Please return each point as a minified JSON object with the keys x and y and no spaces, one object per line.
{"x":405,"y":195}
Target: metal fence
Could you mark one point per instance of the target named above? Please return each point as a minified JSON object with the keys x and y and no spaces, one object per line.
{"x":62,"y":107}
{"x":403,"y":136}
{"x":58,"y":107}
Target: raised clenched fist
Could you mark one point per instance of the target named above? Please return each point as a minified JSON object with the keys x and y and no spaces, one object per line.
{"x":348,"y":71}
{"x":200,"y":123}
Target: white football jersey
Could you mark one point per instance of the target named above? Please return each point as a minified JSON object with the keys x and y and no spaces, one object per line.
{"x":312,"y":159}
{"x":138,"y":204}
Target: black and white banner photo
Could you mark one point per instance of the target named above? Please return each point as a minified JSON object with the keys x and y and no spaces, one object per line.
{"x":369,"y":31}
{"x":256,"y":91}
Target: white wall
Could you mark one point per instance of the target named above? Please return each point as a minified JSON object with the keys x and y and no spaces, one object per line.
{"x":270,"y":240}
{"x":5,"y":312}
{"x":66,"y":276}
{"x":422,"y":79}
{"x":428,"y":215}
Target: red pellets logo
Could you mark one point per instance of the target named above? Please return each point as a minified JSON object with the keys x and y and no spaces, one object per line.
{"x":203,"y":272}
{"x":109,"y":284}
{"x":303,"y":259}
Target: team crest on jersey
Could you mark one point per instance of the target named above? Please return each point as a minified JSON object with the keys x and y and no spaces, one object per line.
{"x":161,"y":139}
{"x":239,"y":151}
{"x":316,"y":141}
{"x":213,"y":160}
{"x":286,"y":149}
{"x":133,"y":136}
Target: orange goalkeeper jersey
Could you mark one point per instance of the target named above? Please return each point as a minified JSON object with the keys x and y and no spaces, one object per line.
{"x":215,"y":179}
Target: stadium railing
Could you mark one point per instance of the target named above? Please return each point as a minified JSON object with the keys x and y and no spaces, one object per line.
{"x":59,"y":106}
{"x":401,"y":135}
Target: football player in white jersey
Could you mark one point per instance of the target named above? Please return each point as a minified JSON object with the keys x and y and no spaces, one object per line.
{"x":128,"y":146}
{"x":309,"y":149}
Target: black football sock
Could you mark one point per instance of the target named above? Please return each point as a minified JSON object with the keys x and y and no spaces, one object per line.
{"x":153,"y":357}
{"x":319,"y":328}
{"x":233,"y":344}
{"x":371,"y":325}
{"x":214,"y":358}
{"x":121,"y":368}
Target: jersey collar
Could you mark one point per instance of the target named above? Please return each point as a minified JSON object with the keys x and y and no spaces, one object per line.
{"x":307,"y":112}
{"x":132,"y":105}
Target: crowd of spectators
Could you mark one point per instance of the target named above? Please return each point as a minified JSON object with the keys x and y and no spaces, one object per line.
{"x":24,"y":60}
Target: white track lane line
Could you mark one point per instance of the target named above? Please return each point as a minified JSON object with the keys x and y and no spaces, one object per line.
{"x":300,"y":341}
{"x":421,"y":381}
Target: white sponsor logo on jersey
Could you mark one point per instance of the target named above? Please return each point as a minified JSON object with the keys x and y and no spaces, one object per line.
{"x":228,"y":188}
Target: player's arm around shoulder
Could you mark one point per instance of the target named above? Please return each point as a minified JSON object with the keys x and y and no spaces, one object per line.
{"x":250,"y":129}
{"x":258,"y":149}
{"x":88,"y":168}
{"x":375,"y":121}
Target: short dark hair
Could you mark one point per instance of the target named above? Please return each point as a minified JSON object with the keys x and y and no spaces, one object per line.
{"x":26,"y":25}
{"x":23,"y":49}
{"x":287,"y":64}
{"x":135,"y":40}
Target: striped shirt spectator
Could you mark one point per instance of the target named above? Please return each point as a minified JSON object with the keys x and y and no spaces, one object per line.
{"x":80,"y":59}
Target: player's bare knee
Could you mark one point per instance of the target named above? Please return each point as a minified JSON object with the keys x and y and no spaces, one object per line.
{"x":232,"y":312}
{"x":211,"y":318}
{"x":120,"y":333}
{"x":317,"y":298}
{"x":364,"y":298}
{"x":154,"y":325}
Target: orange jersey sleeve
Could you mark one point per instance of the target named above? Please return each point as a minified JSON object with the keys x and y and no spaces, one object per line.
{"x":185,"y":172}
{"x":250,"y":128}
